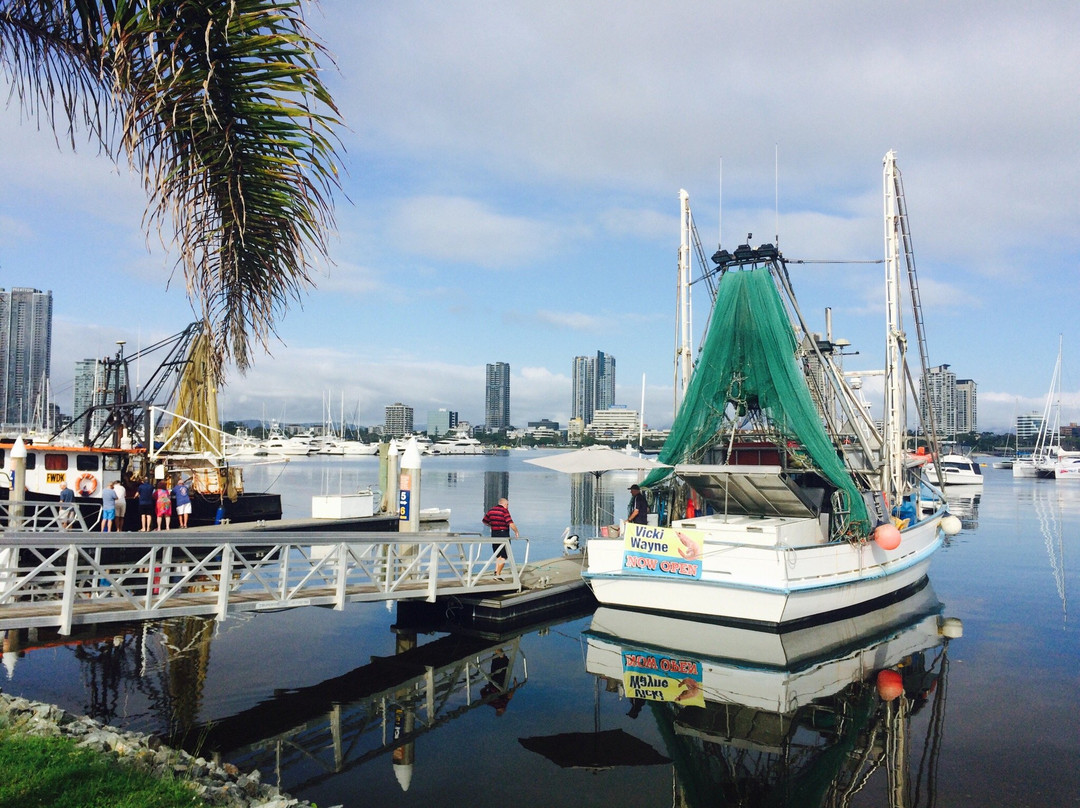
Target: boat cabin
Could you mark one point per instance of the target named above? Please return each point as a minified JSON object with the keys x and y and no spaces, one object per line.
{"x":86,"y":470}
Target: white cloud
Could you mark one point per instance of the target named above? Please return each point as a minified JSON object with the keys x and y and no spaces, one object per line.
{"x":462,"y":230}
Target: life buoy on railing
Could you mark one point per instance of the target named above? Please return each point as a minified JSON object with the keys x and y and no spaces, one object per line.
{"x":86,"y":484}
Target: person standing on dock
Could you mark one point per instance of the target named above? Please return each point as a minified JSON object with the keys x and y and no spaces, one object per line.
{"x":67,"y":506}
{"x":183,"y":502}
{"x":163,"y":504}
{"x":146,"y":505}
{"x":108,"y":508}
{"x":501,"y":523}
{"x":121,"y":504}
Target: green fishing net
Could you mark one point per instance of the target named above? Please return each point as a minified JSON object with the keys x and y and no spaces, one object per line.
{"x":749,"y":361}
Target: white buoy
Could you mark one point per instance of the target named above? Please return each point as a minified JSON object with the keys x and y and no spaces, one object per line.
{"x":951,"y":525}
{"x":951,"y":627}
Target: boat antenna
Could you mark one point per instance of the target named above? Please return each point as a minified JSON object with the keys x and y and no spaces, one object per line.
{"x":720,"y":209}
{"x":776,"y":192}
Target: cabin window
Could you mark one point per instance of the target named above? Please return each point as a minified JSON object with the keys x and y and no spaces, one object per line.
{"x":31,"y":461}
{"x":87,"y":462}
{"x":56,"y":462}
{"x":112,"y":463}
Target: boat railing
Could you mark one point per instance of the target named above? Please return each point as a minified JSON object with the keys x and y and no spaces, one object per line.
{"x":48,"y":517}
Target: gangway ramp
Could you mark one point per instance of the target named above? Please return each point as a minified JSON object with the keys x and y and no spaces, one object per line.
{"x":61,"y":579}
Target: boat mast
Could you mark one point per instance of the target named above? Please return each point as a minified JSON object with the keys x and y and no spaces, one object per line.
{"x":683,"y":355}
{"x":895,"y":343}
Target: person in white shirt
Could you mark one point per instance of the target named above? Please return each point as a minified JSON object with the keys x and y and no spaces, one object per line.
{"x":121,"y":503}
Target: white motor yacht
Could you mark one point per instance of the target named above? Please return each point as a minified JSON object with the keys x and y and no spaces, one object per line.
{"x":955,"y":470}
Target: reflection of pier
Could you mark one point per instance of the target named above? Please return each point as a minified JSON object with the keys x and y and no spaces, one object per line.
{"x":45,"y":580}
{"x":311,"y":733}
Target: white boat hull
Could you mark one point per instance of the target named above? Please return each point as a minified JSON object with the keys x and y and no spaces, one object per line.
{"x":1067,"y":467}
{"x":769,"y":584}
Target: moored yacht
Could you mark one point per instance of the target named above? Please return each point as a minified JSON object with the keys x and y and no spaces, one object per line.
{"x":461,"y":445}
{"x":956,"y":469}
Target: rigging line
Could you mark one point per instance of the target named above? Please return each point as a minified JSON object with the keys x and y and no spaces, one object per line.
{"x":834,"y":261}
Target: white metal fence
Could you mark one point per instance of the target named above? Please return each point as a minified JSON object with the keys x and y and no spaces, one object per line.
{"x":60,"y":579}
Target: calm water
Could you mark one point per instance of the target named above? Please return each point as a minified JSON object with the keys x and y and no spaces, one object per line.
{"x":309,"y":697}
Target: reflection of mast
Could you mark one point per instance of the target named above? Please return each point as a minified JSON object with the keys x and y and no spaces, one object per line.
{"x":187,"y":645}
{"x":1050,"y":525}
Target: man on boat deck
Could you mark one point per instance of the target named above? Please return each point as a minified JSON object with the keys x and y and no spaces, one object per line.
{"x":501,"y":523}
{"x":639,"y":507}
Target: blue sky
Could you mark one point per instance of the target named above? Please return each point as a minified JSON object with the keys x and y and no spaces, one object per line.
{"x":512,"y":174}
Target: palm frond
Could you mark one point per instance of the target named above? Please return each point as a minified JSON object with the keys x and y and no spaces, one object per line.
{"x":220,"y":105}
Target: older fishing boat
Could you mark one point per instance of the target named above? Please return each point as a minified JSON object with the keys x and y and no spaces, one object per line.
{"x":797,"y":504}
{"x":137,"y":440}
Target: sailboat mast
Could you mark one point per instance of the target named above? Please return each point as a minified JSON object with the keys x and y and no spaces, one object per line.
{"x":641,"y":418}
{"x":683,"y":355}
{"x":895,"y":343}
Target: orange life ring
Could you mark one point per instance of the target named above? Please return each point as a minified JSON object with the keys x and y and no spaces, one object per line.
{"x":91,"y":484}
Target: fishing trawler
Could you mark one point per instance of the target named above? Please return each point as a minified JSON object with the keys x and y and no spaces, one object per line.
{"x":796,"y":504}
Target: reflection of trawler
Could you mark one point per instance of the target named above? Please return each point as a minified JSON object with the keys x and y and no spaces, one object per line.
{"x":803,"y":718}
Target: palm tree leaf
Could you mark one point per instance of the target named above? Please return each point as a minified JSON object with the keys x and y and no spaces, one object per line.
{"x":221,"y":108}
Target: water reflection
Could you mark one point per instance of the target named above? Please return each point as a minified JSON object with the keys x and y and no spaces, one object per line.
{"x":807,"y":718}
{"x":965,"y":506}
{"x":1048,"y":506}
{"x":307,"y":735}
{"x":496,"y":487}
{"x":150,"y":675}
{"x":591,"y":502}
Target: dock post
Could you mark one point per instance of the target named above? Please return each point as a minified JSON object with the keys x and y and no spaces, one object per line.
{"x":17,"y":492}
{"x":409,"y":500}
{"x":67,"y":603}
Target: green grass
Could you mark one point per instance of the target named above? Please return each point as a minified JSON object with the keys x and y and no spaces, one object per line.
{"x":55,"y":773}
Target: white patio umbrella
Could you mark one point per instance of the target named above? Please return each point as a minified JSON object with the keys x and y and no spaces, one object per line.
{"x":595,"y":460}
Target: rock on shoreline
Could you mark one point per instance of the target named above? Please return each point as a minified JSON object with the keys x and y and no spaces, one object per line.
{"x":216,"y":784}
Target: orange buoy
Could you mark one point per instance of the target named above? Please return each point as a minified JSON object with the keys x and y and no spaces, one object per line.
{"x":691,"y":511}
{"x":890,"y":685}
{"x":887,"y":537}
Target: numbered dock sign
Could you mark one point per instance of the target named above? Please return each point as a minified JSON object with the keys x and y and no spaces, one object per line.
{"x":404,"y":497}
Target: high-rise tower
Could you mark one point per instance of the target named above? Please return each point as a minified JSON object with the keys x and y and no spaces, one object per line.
{"x":25,"y":355}
{"x":593,"y":385}
{"x":497,"y":397}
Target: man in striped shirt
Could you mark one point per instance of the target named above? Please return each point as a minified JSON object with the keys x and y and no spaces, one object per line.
{"x":501,"y":523}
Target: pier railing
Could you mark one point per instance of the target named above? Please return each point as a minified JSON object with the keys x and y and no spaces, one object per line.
{"x":44,"y":517}
{"x":60,"y":579}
